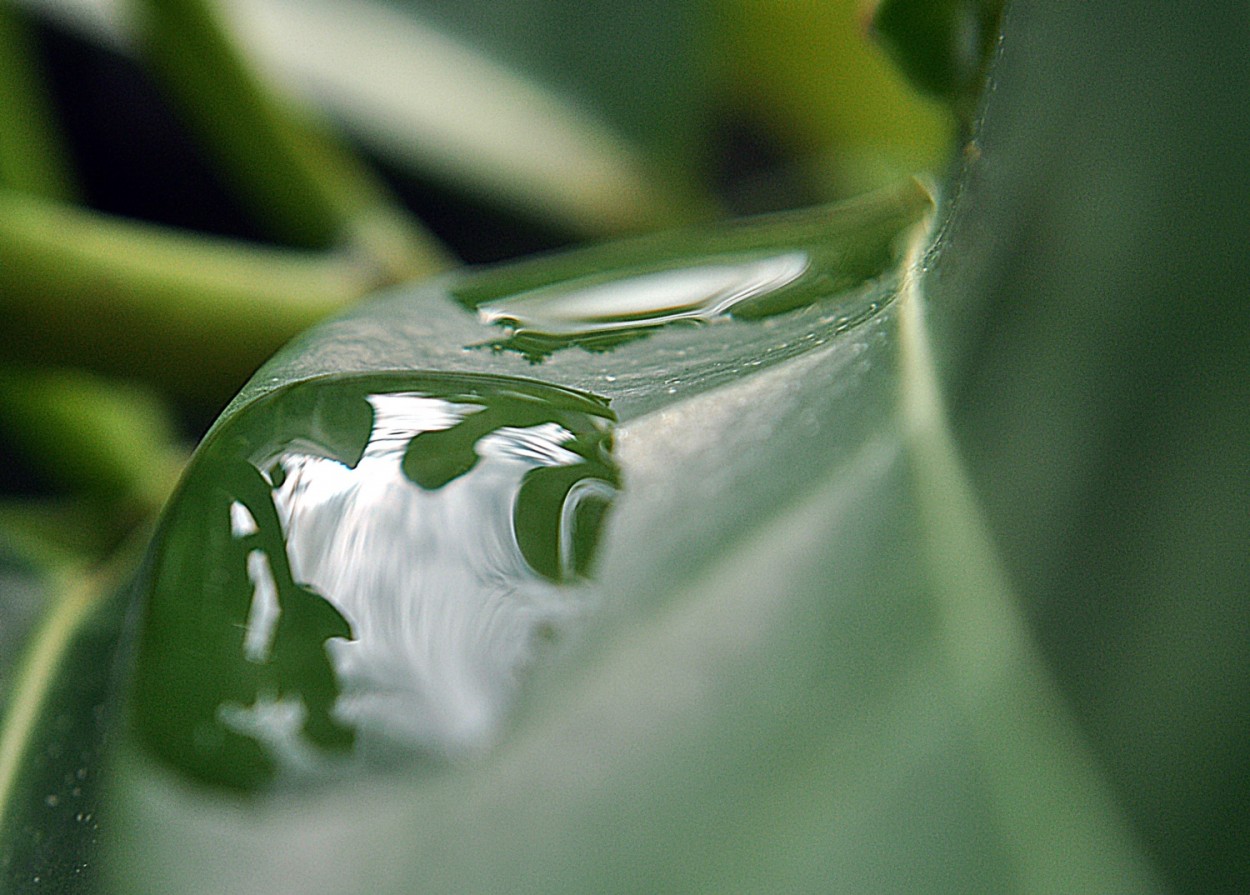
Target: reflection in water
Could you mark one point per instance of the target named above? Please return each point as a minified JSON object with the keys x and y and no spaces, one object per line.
{"x":367,"y":566}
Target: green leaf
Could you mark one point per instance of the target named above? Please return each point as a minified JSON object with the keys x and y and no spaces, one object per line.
{"x":944,"y":47}
{"x":807,"y":71}
{"x":640,"y":68}
{"x":302,"y":184}
{"x":32,"y":156}
{"x":129,"y":297}
{"x":23,"y":591}
{"x":1091,"y":303}
{"x":112,"y":441}
{"x":59,"y":703}
{"x":451,"y":112}
{"x":773,"y":618}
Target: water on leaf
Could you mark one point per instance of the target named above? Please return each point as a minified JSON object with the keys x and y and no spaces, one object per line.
{"x":362,"y":567}
{"x":601,"y":310}
{"x":601,"y":297}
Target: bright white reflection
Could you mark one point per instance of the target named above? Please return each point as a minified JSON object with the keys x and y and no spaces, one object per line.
{"x":262,"y":616}
{"x":443,"y":605}
{"x":651,"y":299}
{"x":242,"y":523}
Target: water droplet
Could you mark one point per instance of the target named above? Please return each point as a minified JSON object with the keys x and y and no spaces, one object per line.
{"x":602,"y":297}
{"x":595,"y":304}
{"x":366,"y":566}
{"x":52,"y":800}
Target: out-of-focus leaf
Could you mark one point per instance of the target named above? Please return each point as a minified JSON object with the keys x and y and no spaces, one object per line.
{"x":1091,"y":303}
{"x":944,"y":47}
{"x":807,"y":70}
{"x":22,"y":595}
{"x":300,"y":182}
{"x":31,"y":154}
{"x":120,"y":446}
{"x":450,"y":112}
{"x":642,"y":67}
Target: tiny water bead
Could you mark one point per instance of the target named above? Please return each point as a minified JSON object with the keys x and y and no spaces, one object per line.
{"x":363,"y":567}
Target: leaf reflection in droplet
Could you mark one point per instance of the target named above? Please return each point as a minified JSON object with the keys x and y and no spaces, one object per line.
{"x":332,"y":580}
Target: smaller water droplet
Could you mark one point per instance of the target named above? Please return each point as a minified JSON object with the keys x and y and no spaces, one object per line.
{"x":52,"y":800}
{"x":601,"y":311}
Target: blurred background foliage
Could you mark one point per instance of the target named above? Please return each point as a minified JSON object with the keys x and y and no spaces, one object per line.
{"x":188,"y":184}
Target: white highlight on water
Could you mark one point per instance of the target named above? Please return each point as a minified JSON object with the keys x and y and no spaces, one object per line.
{"x":443,"y":606}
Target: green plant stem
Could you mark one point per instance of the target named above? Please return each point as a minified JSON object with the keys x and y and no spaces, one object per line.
{"x":1059,"y":818}
{"x":308,"y":189}
{"x":32,"y":156}
{"x":192,"y":313}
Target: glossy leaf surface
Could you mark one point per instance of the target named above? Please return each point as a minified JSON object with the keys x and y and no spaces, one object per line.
{"x":771,"y":535}
{"x":362,"y":556}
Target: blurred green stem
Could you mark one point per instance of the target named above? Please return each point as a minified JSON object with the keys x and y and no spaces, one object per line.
{"x":32,"y":156}
{"x":306,"y":187}
{"x":195,"y":314}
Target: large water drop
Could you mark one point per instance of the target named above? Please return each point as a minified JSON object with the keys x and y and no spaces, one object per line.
{"x":364,"y":567}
